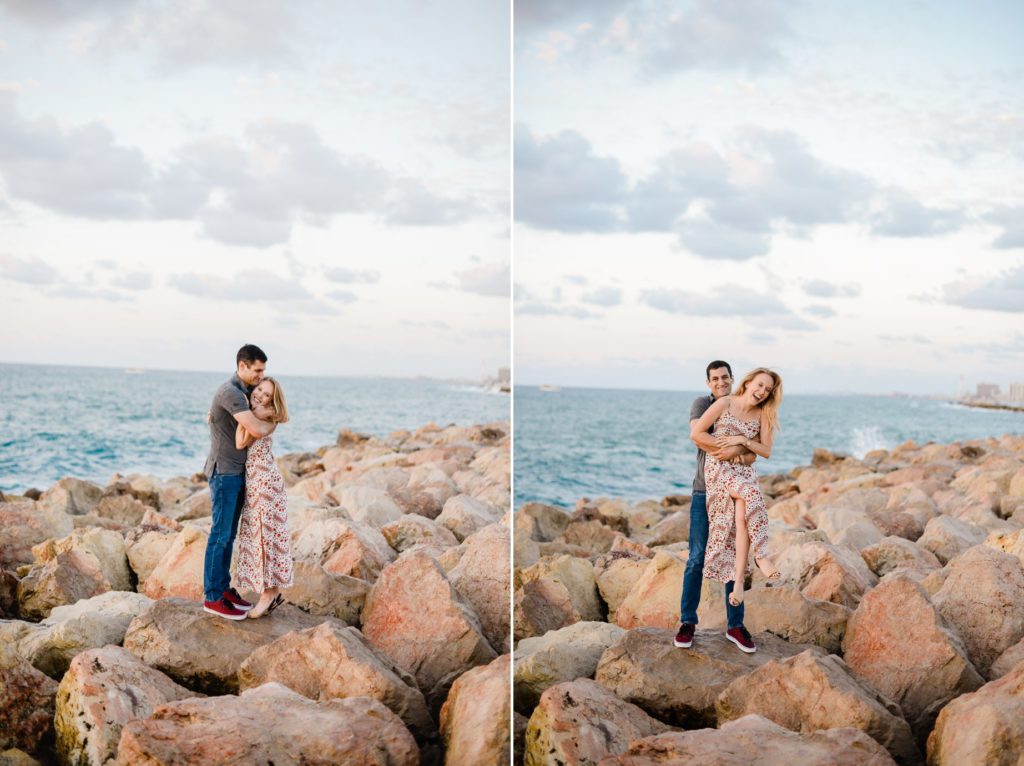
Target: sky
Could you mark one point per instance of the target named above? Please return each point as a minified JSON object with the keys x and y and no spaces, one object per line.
{"x":330,"y":181}
{"x":832,"y":190}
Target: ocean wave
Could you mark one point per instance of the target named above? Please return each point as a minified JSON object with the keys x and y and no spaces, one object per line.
{"x":867,"y":438}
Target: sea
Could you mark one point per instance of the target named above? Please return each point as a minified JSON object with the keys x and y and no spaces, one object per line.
{"x":581,"y":442}
{"x":91,"y":422}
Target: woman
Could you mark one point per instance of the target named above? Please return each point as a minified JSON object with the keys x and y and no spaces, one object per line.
{"x":737,"y":519}
{"x":264,"y":545}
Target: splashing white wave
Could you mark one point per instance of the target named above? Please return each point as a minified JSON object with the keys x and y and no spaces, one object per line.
{"x":865,"y":439}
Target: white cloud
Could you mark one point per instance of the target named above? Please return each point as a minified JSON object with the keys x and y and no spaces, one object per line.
{"x":820,"y":288}
{"x":603,"y":296}
{"x":29,"y":271}
{"x":1002,"y":293}
{"x":492,"y":279}
{"x":349,"y":277}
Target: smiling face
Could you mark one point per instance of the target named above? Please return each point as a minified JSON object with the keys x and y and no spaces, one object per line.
{"x":720,"y":382}
{"x":263,"y":394}
{"x":251,"y":374}
{"x":760,"y":388}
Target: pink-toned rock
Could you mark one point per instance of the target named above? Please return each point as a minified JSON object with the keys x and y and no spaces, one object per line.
{"x":412,"y":529}
{"x":195,"y":506}
{"x":892,"y":553}
{"x":123,"y":509}
{"x":269,"y":724}
{"x":755,"y":740}
{"x":985,"y":727}
{"x":592,"y":535}
{"x":811,"y":692}
{"x":145,"y":546}
{"x":319,"y":592}
{"x":654,"y":600}
{"x":26,"y":702}
{"x":983,"y":599}
{"x":179,"y":574}
{"x":345,"y":547}
{"x":827,"y":572}
{"x":674,"y":528}
{"x":334,"y":662}
{"x":64,"y":579}
{"x":418,"y":620}
{"x":481,"y":578}
{"x":72,"y":496}
{"x":947,"y":537}
{"x":104,"y":689}
{"x":787,"y":613}
{"x":580,"y":722}
{"x":24,"y":524}
{"x":463,"y":515}
{"x":1007,"y":661}
{"x":1007,"y":542}
{"x":540,"y":606}
{"x":898,"y":642}
{"x":106,"y":545}
{"x":475,"y":717}
{"x":543,"y":522}
{"x":616,"y":574}
{"x":576,"y":574}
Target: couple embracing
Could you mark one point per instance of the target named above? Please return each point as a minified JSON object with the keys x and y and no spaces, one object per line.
{"x":728,"y":519}
{"x":247,"y":493}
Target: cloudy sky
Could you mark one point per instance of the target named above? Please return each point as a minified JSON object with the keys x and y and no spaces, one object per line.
{"x":328,"y":180}
{"x":831,"y":189}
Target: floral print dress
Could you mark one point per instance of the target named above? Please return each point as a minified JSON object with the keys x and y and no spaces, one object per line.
{"x":724,"y":479}
{"x":264,"y":544}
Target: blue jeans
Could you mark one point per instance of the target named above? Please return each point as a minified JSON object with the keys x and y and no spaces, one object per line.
{"x":227,"y":496}
{"x":693,"y":578}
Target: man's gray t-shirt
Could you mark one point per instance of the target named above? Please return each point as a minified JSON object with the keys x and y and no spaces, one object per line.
{"x":697,"y":409}
{"x":229,"y":400}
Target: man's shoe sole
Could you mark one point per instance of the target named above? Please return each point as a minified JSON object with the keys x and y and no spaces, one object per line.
{"x":681,"y":645}
{"x":241,"y":608}
{"x":225,"y":616}
{"x":740,"y":646}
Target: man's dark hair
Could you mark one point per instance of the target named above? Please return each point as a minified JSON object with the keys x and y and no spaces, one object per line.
{"x":715,"y":365}
{"x":249,"y":354}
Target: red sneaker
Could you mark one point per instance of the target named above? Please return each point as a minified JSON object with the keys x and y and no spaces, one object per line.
{"x":741,"y":637}
{"x":223,"y":608}
{"x":684,"y":638}
{"x":232,"y":597}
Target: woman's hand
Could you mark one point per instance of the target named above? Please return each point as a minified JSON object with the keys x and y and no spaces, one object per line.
{"x":722,"y":440}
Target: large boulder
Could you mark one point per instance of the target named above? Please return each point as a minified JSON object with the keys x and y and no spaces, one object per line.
{"x":269,"y":724}
{"x":680,"y":686}
{"x":755,"y":740}
{"x":475,"y":717}
{"x":541,"y":605}
{"x":26,"y":702}
{"x":654,"y":600}
{"x":846,"y":526}
{"x":344,"y":547}
{"x":947,"y":537}
{"x":543,"y":522}
{"x":1007,"y":661}
{"x":72,"y":496}
{"x":418,"y":620}
{"x":103,"y":689}
{"x":983,"y":599}
{"x":202,"y":651}
{"x":811,"y":692}
{"x":892,"y":553}
{"x":24,"y":525}
{"x":578,"y":723}
{"x":575,"y":574}
{"x":180,"y":571}
{"x":560,"y":655}
{"x":365,"y":504}
{"x":787,"y":613}
{"x":616,"y":574}
{"x":124,"y":509}
{"x":86,"y":624}
{"x":481,"y":578}
{"x":65,"y":578}
{"x":332,"y":661}
{"x":145,"y":545}
{"x":106,"y":545}
{"x":317,"y":591}
{"x":898,"y":642}
{"x":463,"y":515}
{"x":415,"y":530}
{"x":827,"y":572}
{"x":986,"y":726}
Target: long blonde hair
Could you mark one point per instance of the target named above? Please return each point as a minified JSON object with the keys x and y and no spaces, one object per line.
{"x":769,"y":406}
{"x":277,"y":403}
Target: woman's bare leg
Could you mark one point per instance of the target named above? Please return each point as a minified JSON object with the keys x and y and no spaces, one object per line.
{"x":742,"y":551}
{"x":266,"y":597}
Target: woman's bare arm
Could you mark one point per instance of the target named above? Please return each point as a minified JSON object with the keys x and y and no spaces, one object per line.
{"x":242,"y":437}
{"x":705,"y":421}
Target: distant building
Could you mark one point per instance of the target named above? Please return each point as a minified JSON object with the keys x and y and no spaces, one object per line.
{"x":1017,"y":392}
{"x":987,"y":390}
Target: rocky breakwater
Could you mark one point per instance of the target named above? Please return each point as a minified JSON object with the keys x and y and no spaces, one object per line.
{"x":896,"y":634}
{"x":392,"y":648}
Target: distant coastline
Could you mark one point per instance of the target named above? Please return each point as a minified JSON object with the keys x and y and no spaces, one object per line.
{"x":991,"y":405}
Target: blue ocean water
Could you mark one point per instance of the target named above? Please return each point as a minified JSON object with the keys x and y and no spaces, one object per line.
{"x":635,"y":444}
{"x":91,"y":422}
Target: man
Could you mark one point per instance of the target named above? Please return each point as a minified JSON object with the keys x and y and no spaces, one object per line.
{"x":719,"y":382}
{"x":225,"y":468}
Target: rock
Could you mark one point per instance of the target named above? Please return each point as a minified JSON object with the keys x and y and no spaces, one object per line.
{"x":319,"y":592}
{"x":367,"y":505}
{"x":812,"y":692}
{"x":415,"y":617}
{"x":845,"y":526}
{"x":348,"y":438}
{"x":103,"y":689}
{"x":107,"y":546}
{"x":481,"y":578}
{"x":180,"y":571}
{"x":580,"y":722}
{"x":592,"y":535}
{"x":983,"y":599}
{"x":680,"y":686}
{"x":16,"y":757}
{"x":1007,"y":542}
{"x":674,"y":528}
{"x":145,"y":546}
{"x":540,"y":606}
{"x":72,"y":496}
{"x":64,"y":579}
{"x":892,"y":553}
{"x":124,"y":509}
{"x":463,"y":515}
{"x":203,"y":651}
{"x":412,"y":530}
{"x":1007,"y":661}
{"x":344,"y":547}
{"x":86,"y":624}
{"x":947,"y":537}
{"x":826,"y":572}
{"x":654,"y":600}
{"x":543,"y":522}
{"x":616,"y":575}
{"x":269,"y":724}
{"x":560,"y":655}
{"x":898,"y":642}
{"x":525,"y":551}
{"x":785,"y":612}
{"x":26,"y":524}
{"x":986,"y":726}
{"x":575,"y":574}
{"x":26,"y":702}
{"x":8,"y":594}
{"x":333,"y":662}
{"x":755,"y":740}
{"x":475,"y":717}
{"x":195,"y":506}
